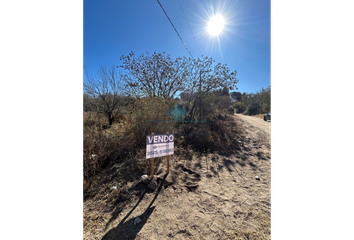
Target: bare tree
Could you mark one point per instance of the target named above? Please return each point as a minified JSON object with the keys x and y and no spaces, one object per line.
{"x":158,"y":75}
{"x":107,"y":90}
{"x":205,"y":77}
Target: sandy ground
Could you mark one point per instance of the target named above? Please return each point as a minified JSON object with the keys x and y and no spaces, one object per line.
{"x":209,"y":197}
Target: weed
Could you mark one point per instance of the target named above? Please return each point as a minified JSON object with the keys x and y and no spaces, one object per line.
{"x":119,"y":179}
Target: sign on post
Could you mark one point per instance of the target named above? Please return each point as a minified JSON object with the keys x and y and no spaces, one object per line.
{"x":159,"y":146}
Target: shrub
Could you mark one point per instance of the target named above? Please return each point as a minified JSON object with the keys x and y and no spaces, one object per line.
{"x":121,"y":117}
{"x":231,"y":110}
{"x":240,"y":107}
{"x":252,"y":109}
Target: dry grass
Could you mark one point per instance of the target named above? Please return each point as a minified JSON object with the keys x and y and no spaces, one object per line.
{"x":105,"y":207}
{"x":261,"y":115}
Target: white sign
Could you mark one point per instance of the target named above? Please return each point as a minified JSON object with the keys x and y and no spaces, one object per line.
{"x":159,"y":145}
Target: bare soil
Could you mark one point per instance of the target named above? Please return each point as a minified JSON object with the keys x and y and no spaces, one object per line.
{"x":209,"y":197}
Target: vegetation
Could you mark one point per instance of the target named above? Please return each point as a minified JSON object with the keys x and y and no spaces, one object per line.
{"x":253,"y":103}
{"x":158,"y":75}
{"x":121,"y":108}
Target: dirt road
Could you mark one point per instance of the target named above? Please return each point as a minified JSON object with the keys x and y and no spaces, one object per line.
{"x":257,"y":128}
{"x":208,"y":197}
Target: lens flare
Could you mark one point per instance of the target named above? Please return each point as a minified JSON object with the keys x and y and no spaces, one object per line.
{"x":216,"y":25}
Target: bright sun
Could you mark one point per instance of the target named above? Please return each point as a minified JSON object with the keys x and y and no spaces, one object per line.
{"x":216,"y":24}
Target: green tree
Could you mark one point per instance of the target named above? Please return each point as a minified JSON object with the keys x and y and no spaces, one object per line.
{"x":236,"y":96}
{"x":240,"y":107}
{"x":252,"y":109}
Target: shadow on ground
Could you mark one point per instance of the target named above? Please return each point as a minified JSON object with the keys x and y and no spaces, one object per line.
{"x":127,"y":230}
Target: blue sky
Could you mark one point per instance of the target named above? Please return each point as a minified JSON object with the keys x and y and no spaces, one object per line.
{"x":115,"y":28}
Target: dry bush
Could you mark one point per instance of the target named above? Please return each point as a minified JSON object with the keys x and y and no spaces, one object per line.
{"x":147,"y":117}
{"x":222,"y":134}
{"x":121,"y":117}
{"x":127,"y":141}
{"x":97,"y":142}
{"x":123,"y":140}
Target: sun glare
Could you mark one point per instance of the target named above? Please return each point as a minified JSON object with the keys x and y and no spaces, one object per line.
{"x":216,"y":24}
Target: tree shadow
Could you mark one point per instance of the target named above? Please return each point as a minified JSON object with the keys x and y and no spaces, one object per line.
{"x":244,"y":157}
{"x":252,"y":164}
{"x":242,"y":164}
{"x":127,"y":230}
{"x":213,"y":170}
{"x":229,"y":164}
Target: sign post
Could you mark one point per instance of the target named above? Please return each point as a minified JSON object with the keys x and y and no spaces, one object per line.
{"x":168,"y":162}
{"x":159,"y":146}
{"x":152,"y":164}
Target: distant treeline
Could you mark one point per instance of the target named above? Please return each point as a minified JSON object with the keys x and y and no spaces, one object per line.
{"x":252,"y":103}
{"x":223,"y":100}
{"x":217,"y":100}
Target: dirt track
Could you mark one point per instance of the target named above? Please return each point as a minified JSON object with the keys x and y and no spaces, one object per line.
{"x":255,"y":126}
{"x":214,"y":197}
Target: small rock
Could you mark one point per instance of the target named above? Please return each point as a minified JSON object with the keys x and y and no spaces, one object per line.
{"x":168,"y":180}
{"x":227,"y":137}
{"x":153,"y":184}
{"x":257,"y":178}
{"x":114,"y":187}
{"x":137,"y":220}
{"x":161,"y":171}
{"x":93,"y":157}
{"x":144,"y":179}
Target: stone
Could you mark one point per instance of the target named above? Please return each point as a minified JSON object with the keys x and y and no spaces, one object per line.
{"x":161,"y":171}
{"x":169,"y":180}
{"x":93,"y":157}
{"x":257,"y":178}
{"x":153,"y":184}
{"x":227,"y":137}
{"x":144,"y":179}
{"x":137,"y":220}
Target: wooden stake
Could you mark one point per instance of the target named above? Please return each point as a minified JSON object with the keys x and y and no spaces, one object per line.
{"x":168,"y":162}
{"x":152,"y":164}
